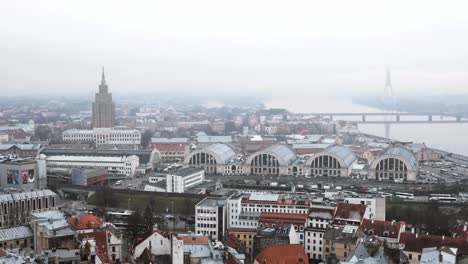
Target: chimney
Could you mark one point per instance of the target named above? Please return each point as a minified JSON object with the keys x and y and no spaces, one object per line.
{"x":372,"y":220}
{"x":416,"y":235}
{"x":465,"y":226}
{"x":443,"y":237}
{"x":412,"y":230}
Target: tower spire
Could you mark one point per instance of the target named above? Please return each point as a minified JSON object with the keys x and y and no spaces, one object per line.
{"x":388,"y":81}
{"x":103,"y":77}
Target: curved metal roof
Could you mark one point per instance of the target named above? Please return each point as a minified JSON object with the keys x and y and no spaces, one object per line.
{"x":342,"y":153}
{"x":284,"y":154}
{"x":221,"y":152}
{"x":404,"y":153}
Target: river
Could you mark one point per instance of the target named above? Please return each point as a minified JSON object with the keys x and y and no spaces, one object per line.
{"x":449,"y":137}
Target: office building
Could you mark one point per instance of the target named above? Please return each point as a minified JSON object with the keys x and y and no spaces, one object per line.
{"x":211,"y":217}
{"x":103,"y":106}
{"x":184,"y":179}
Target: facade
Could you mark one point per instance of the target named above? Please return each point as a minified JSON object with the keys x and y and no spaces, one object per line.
{"x":170,"y":149}
{"x":273,"y":160}
{"x":375,"y":206}
{"x":211,"y":217}
{"x":215,"y":159}
{"x":147,"y":158}
{"x":16,"y":208}
{"x":17,"y":237}
{"x":318,"y":220}
{"x":423,"y":153}
{"x":103,"y":136}
{"x":88,"y":177}
{"x":103,"y":106}
{"x":24,"y":174}
{"x":279,"y":220}
{"x":51,"y":230}
{"x":340,"y":241}
{"x":334,"y":161}
{"x":244,"y":209}
{"x":116,"y":166}
{"x":395,"y":164}
{"x":246,"y":237}
{"x":184,"y":179}
{"x":20,"y":150}
{"x":159,"y":244}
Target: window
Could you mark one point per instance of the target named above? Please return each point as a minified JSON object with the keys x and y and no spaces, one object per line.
{"x":410,"y":256}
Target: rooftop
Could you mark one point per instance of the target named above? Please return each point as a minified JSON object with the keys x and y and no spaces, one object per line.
{"x":184,"y":172}
{"x":416,"y":242}
{"x":86,"y":159}
{"x":349,"y":212}
{"x":381,"y":228}
{"x":169,"y":140}
{"x":85,"y":221}
{"x":283,"y":254}
{"x":17,"y":232}
{"x":212,"y":201}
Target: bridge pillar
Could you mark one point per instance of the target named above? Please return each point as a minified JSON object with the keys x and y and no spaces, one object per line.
{"x":458,"y":118}
{"x":429,"y":118}
{"x":331,"y":117}
{"x":398,"y":118}
{"x":363,"y":118}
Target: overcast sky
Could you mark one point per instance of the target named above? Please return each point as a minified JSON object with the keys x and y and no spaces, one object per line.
{"x":273,"y":47}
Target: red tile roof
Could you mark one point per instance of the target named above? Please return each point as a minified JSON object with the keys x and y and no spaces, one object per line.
{"x":232,"y":260}
{"x":282,"y":218}
{"x":379,"y":227}
{"x":169,"y":147}
{"x":283,"y":254}
{"x":416,"y":242}
{"x":350,"y":211}
{"x":101,"y":243}
{"x":194,"y":239}
{"x":85,"y":221}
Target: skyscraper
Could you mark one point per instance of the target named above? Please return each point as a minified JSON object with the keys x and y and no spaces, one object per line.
{"x":103,"y":106}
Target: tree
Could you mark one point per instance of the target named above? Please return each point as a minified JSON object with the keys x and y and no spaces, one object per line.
{"x":43,"y":132}
{"x":146,"y":138}
{"x":148,"y":218}
{"x":105,"y":197}
{"x":136,"y":223}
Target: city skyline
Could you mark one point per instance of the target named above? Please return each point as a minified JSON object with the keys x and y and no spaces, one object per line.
{"x":293,"y":48}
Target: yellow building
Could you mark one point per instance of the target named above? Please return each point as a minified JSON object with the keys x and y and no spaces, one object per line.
{"x":246,"y":236}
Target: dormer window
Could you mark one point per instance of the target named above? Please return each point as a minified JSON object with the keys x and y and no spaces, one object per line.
{"x":385,"y":233}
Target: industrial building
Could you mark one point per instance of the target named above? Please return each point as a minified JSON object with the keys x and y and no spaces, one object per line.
{"x":117,"y":167}
{"x":395,"y":164}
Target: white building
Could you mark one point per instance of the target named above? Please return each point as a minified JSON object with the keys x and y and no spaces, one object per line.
{"x":375,"y":206}
{"x":103,"y":136}
{"x":210,"y":217}
{"x":116,"y":166}
{"x":318,"y":220}
{"x":160,"y":244}
{"x":244,"y":208}
{"x":184,"y":179}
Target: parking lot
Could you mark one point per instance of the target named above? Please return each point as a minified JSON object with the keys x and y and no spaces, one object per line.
{"x":442,"y":172}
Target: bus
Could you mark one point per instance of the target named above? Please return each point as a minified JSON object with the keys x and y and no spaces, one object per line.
{"x":442,"y":197}
{"x":403,"y":195}
{"x":447,"y":199}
